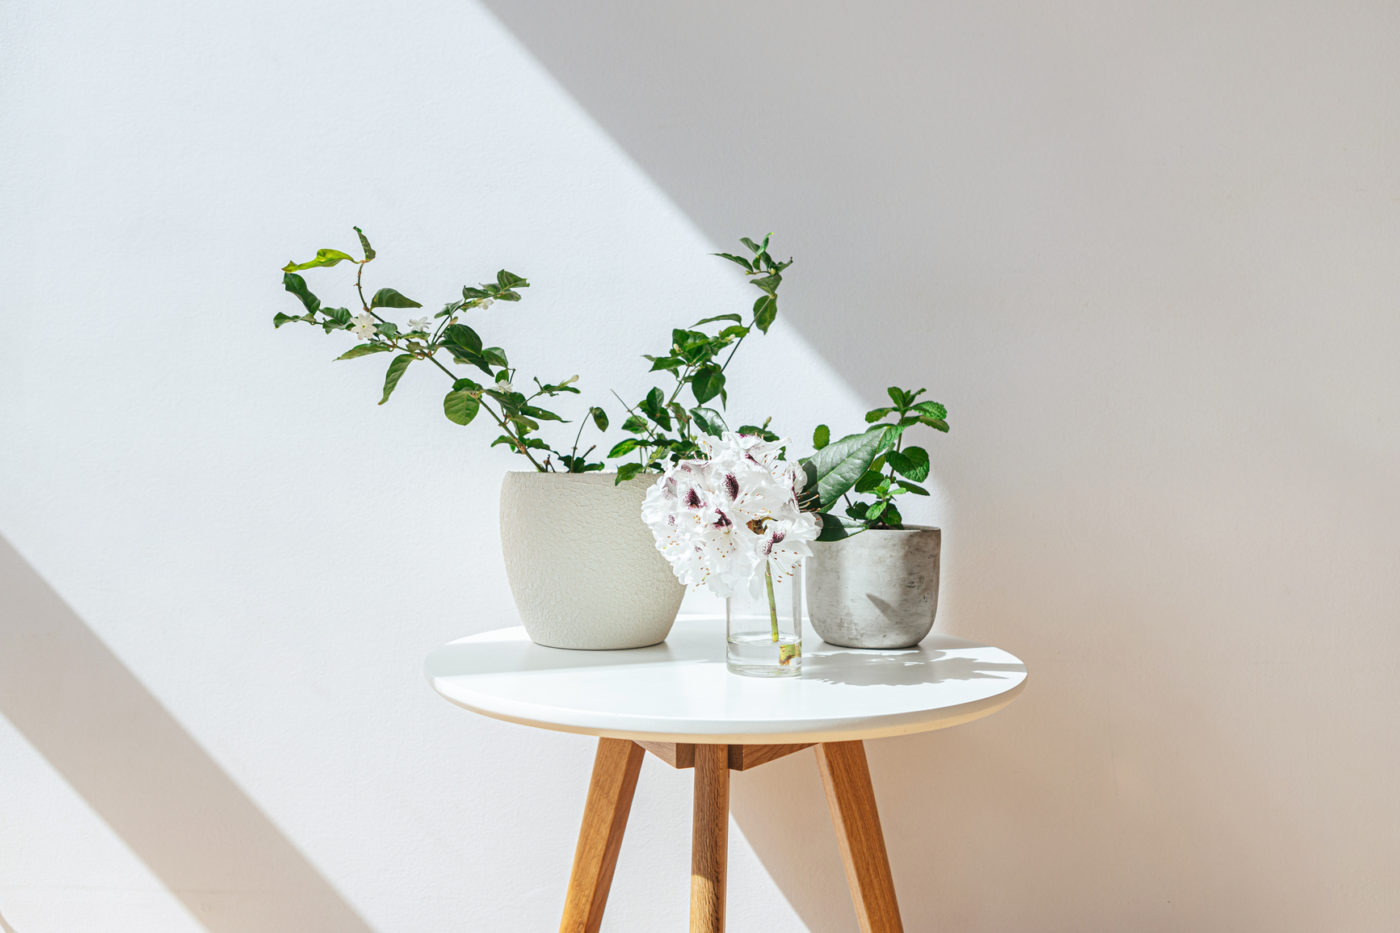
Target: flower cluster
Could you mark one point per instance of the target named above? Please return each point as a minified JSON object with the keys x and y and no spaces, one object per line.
{"x":724,"y":520}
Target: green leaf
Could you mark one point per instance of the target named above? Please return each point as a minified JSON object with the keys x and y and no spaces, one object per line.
{"x":868,"y":482}
{"x":324,"y":257}
{"x":753,"y":247}
{"x":736,"y":259}
{"x":624,"y":447}
{"x":338,"y":316}
{"x":388,"y":298}
{"x":508,"y":295}
{"x":892,"y":518}
{"x":626,"y":472}
{"x":495,"y":355}
{"x":600,"y":417}
{"x":821,"y":437}
{"x":709,"y":421}
{"x":395,"y":373}
{"x":279,"y":319}
{"x":472,"y":294}
{"x":652,"y":404}
{"x":938,"y":424}
{"x":876,"y":510}
{"x":768,"y":283}
{"x":460,"y":335}
{"x":834,"y":528}
{"x":897,"y":396}
{"x":707,"y":382}
{"x":635,"y":424}
{"x":719,"y":317}
{"x":911,"y":487}
{"x":834,"y":469}
{"x":765,"y":311}
{"x":364,"y":349}
{"x":543,"y":414}
{"x":461,"y":405}
{"x":297,"y":286}
{"x":510,"y":280}
{"x":364,"y":242}
{"x":666,"y":363}
{"x":875,"y":414}
{"x":910,"y":463}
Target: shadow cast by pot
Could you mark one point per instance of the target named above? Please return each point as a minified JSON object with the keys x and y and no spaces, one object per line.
{"x":919,"y":665}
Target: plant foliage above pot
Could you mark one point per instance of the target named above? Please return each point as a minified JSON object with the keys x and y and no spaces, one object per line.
{"x":664,"y":427}
{"x":874,"y":463}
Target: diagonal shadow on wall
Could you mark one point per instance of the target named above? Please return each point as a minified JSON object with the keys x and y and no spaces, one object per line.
{"x":113,"y":742}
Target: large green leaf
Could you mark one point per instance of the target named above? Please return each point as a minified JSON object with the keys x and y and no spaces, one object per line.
{"x":324,"y":257}
{"x":821,"y":437}
{"x":364,"y":242}
{"x":707,"y":382}
{"x":709,"y":421}
{"x":600,"y":417}
{"x":834,"y":469}
{"x":388,"y":298}
{"x":364,"y":349}
{"x":910,"y":463}
{"x":623,"y":447}
{"x":460,"y":335}
{"x":834,"y":527}
{"x":719,"y":317}
{"x":297,"y":286}
{"x":461,"y":406}
{"x":394,"y":374}
{"x":932,"y":409}
{"x":510,"y":280}
{"x":765,"y":311}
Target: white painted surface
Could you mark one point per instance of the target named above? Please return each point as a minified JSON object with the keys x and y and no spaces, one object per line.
{"x":1146,"y":254}
{"x":583,"y":568}
{"x":681,"y":691}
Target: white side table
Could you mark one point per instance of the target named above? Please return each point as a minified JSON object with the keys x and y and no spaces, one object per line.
{"x":679,"y":701}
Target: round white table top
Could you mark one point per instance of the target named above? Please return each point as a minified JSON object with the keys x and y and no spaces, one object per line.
{"x":681,"y":690}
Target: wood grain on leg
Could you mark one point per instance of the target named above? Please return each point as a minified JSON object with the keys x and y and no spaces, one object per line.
{"x":852,"y":803}
{"x":709,"y":841}
{"x":615,"y":769}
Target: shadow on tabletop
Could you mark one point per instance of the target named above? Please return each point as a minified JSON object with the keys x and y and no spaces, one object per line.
{"x":145,"y":776}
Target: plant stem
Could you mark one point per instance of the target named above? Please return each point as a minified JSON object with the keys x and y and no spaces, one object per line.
{"x":772,"y":600}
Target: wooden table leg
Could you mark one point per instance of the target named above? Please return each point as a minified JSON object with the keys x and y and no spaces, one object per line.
{"x":709,"y":840}
{"x":852,"y":803}
{"x":615,"y":770}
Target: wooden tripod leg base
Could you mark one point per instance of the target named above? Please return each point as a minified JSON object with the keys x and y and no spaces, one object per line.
{"x":851,"y":799}
{"x":615,"y":770}
{"x":849,"y":794}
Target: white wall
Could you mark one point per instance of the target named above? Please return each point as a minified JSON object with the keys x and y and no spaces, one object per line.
{"x":1146,"y":254}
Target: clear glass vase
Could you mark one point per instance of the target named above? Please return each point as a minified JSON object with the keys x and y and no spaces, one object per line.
{"x":765,"y":630}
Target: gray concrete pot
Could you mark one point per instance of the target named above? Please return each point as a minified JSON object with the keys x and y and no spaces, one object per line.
{"x":875,"y":589}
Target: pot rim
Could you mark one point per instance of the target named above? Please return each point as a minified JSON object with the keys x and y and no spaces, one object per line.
{"x":590,"y":476}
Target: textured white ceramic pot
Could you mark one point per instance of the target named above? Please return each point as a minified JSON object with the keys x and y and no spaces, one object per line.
{"x":583,"y":566}
{"x":875,"y":589}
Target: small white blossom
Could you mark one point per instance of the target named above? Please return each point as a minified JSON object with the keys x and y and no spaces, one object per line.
{"x":419,"y":323}
{"x":363,"y":325}
{"x":505,"y":386}
{"x":485,"y":303}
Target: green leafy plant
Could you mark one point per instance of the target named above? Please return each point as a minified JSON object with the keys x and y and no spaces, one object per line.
{"x":516,"y":414}
{"x":873,"y":463}
{"x":665,"y":426}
